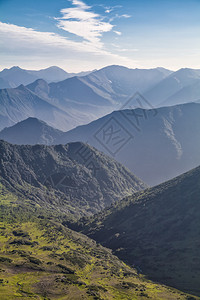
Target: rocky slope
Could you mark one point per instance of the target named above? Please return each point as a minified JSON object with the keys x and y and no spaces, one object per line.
{"x":75,"y":178}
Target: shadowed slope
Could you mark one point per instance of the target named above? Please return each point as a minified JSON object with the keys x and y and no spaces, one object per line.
{"x":157,"y":230}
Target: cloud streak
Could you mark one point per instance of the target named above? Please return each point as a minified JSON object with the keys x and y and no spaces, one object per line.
{"x":117,"y":32}
{"x":18,"y":36}
{"x":18,"y":42}
{"x":26,"y":43}
{"x":83,"y":22}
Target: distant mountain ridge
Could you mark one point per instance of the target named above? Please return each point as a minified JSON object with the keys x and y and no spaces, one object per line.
{"x":20,"y":103}
{"x":16,"y":76}
{"x":157,"y":145}
{"x":108,"y":86}
{"x":13,"y":77}
{"x":31,"y":132}
{"x":79,"y":100}
{"x":156,"y":149}
{"x":179,"y":87}
{"x":117,"y":82}
{"x":159,"y":86}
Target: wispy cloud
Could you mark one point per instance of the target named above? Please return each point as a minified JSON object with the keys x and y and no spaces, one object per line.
{"x":83,"y":22}
{"x":109,"y":9}
{"x":19,"y":36}
{"x":117,"y":16}
{"x":124,"y":16}
{"x":117,"y":32}
{"x":26,"y":44}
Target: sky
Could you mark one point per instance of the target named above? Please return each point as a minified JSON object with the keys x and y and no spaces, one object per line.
{"x":85,"y":35}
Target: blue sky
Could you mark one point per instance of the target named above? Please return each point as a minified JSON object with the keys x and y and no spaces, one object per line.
{"x":83,"y":35}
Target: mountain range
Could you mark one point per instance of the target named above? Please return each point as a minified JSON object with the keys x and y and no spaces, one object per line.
{"x":19,"y":103}
{"x":45,"y":190}
{"x":157,"y":145}
{"x":179,"y":87}
{"x":157,"y":231}
{"x":15,"y":76}
{"x":78,"y":153}
{"x":117,"y":83}
{"x":85,"y":97}
{"x":74,"y":101}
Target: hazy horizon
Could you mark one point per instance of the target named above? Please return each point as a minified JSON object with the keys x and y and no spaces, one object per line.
{"x":92,"y":70}
{"x":85,"y":35}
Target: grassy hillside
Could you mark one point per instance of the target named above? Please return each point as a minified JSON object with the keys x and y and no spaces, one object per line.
{"x":157,"y":231}
{"x":42,"y":259}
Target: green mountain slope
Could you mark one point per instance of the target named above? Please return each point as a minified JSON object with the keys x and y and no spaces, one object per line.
{"x":74,"y":179}
{"x":42,"y":259}
{"x":158,"y":231}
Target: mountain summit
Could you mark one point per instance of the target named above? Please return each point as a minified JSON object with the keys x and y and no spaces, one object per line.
{"x":30,"y":131}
